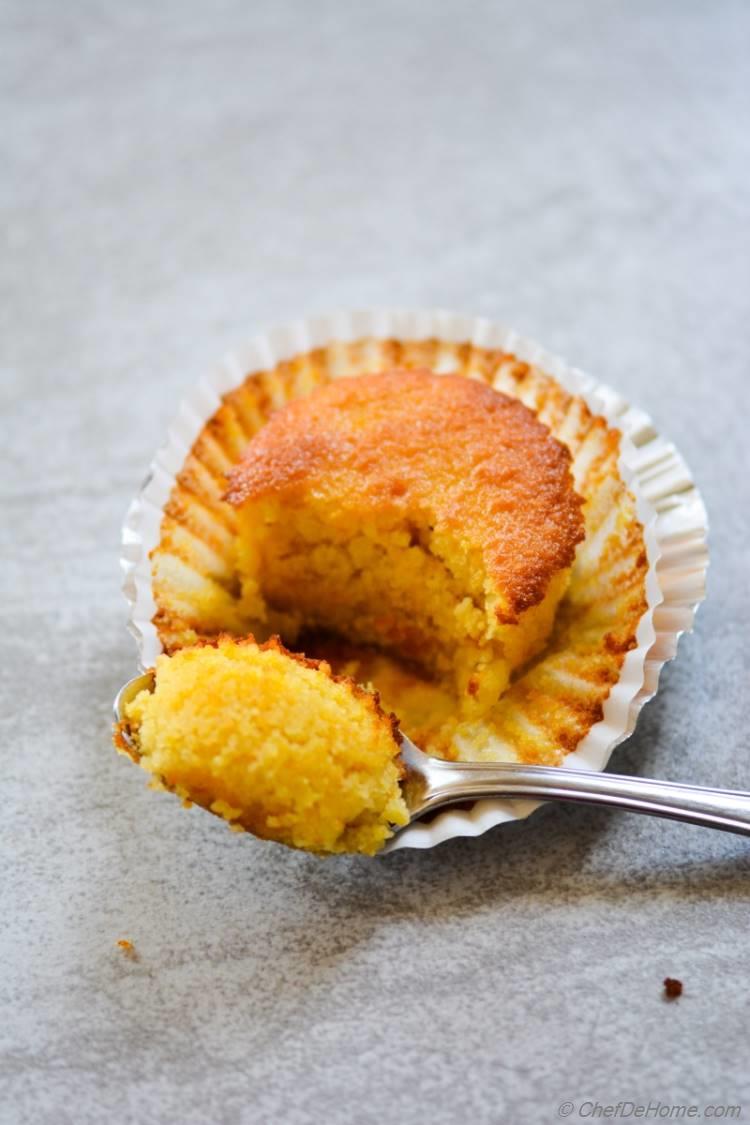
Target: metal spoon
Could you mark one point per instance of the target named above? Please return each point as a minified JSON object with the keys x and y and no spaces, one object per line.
{"x":431,"y":783}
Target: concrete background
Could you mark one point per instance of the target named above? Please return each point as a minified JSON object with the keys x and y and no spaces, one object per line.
{"x":174,"y":177}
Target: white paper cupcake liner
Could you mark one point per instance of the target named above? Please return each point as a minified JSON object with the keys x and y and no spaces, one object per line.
{"x":667,"y":503}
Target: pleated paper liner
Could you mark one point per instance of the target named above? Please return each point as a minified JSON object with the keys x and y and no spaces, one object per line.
{"x":637,"y":580}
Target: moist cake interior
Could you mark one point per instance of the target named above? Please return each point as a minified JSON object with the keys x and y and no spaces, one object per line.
{"x":273,"y":743}
{"x":415,"y":594}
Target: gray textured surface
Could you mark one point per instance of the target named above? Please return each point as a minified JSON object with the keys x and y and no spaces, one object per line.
{"x":177,"y":178}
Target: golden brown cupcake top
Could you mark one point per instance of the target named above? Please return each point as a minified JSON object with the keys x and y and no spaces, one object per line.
{"x":439,"y":448}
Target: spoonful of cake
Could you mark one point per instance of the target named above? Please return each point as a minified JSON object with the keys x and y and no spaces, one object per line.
{"x":280,"y":747}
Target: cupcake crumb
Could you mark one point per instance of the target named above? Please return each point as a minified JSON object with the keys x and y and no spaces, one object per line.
{"x":128,"y":949}
{"x":672,"y":988}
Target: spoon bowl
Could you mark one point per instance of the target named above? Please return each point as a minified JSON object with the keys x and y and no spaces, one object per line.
{"x":432,"y":783}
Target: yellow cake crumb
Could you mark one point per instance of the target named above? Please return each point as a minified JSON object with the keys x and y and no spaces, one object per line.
{"x":273,"y":743}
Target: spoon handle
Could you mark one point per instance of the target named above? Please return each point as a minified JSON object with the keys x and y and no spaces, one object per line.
{"x":715,"y":808}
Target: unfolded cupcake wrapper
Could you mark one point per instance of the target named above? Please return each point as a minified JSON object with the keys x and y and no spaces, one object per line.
{"x":668,"y":506}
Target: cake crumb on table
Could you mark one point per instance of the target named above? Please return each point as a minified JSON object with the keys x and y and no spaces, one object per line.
{"x":128,"y":949}
{"x":672,"y":988}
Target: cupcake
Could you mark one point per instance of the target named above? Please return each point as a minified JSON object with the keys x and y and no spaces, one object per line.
{"x":430,"y":517}
{"x":442,"y":521}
